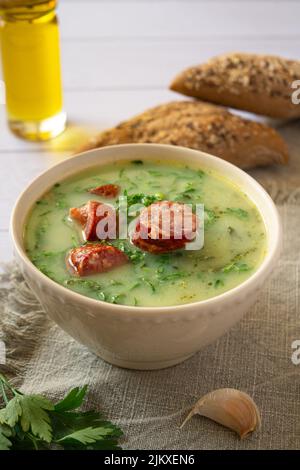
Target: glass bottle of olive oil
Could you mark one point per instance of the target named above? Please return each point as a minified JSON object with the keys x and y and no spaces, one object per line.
{"x":29,"y":41}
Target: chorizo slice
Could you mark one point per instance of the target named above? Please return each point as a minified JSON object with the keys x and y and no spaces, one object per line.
{"x":90,"y":215}
{"x":92,"y":221}
{"x":168,"y":220}
{"x":106,"y":190}
{"x":93,"y":259}
{"x":80,"y":214}
{"x":165,"y":226}
{"x":157,"y":248}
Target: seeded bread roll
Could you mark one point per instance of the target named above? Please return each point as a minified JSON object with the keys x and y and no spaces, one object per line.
{"x":200,"y":126}
{"x":257,"y":83}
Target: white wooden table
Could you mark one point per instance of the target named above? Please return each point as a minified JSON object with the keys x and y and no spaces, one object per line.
{"x":118,"y":57}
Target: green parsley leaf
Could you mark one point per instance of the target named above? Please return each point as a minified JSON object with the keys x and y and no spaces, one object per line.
{"x":237,"y":267}
{"x":134,"y":254}
{"x":237,"y":212}
{"x":218,"y":283}
{"x":87,"y":435}
{"x":34,"y":416}
{"x":32,"y":422}
{"x":141,"y":198}
{"x":5,"y":432}
{"x":210,"y":216}
{"x":173,"y":276}
{"x":73,"y":400}
{"x":30,"y":411}
{"x":5,"y":443}
{"x":10,"y":415}
{"x":67,"y":425}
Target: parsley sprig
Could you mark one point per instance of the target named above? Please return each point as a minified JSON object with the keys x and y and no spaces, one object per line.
{"x":141,"y":198}
{"x":32,"y":422}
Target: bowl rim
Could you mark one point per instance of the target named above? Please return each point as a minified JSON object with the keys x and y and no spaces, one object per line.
{"x":262,"y":271}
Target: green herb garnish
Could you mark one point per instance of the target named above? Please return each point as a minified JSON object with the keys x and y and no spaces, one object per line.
{"x":186,"y":193}
{"x":200,"y":173}
{"x":121,"y":172}
{"x":218,"y":283}
{"x":141,"y":198}
{"x":32,"y":422}
{"x":237,"y":212}
{"x":174,"y":276}
{"x":42,"y":202}
{"x":40,"y":233}
{"x":134,"y":254}
{"x":237,"y":266}
{"x":210,"y":216}
{"x":148,"y":283}
{"x":154,"y":172}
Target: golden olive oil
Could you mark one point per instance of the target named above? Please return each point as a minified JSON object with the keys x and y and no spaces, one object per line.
{"x":29,"y":38}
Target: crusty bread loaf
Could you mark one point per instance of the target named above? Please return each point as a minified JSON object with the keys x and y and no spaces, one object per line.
{"x":200,"y":126}
{"x":257,"y":83}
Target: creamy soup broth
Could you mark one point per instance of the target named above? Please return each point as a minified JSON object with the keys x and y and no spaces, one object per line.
{"x":234,"y":236}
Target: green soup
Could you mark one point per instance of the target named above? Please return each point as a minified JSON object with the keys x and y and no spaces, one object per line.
{"x":234,"y":236}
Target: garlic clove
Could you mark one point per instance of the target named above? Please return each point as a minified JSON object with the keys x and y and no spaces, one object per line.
{"x":230,"y":407}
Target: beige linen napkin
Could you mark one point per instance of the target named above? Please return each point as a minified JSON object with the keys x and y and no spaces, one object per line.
{"x":255,"y":356}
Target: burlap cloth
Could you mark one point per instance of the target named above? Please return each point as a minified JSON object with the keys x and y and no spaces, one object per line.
{"x":255,"y":356}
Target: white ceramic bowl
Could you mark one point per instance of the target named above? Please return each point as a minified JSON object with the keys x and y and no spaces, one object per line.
{"x":145,"y":337}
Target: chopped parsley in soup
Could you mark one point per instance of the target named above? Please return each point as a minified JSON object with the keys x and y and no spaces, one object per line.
{"x":146,"y":268}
